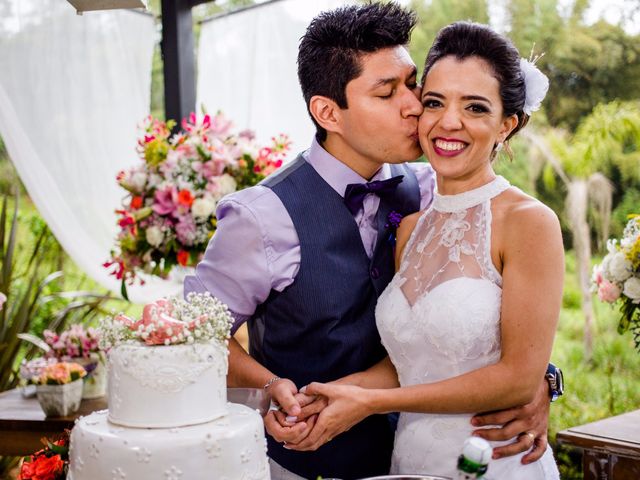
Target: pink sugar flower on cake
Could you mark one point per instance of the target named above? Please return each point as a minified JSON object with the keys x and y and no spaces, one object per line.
{"x":157,"y":325}
{"x":199,"y":318}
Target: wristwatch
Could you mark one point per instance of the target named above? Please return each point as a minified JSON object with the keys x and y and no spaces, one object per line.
{"x":556,"y":382}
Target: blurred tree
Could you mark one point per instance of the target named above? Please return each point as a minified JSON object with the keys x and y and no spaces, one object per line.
{"x":589,"y":65}
{"x":607,"y":140}
{"x":436,"y":14}
{"x":534,"y":23}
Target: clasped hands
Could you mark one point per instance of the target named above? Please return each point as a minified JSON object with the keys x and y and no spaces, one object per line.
{"x":314,"y":415}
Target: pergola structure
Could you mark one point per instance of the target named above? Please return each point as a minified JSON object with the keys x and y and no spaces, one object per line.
{"x":178,"y":57}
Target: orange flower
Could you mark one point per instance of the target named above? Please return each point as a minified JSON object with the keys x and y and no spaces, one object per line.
{"x":183,"y":257}
{"x":185,"y":198}
{"x":49,"y":468}
{"x":58,"y":373}
{"x":136,"y":202}
{"x":42,"y":468}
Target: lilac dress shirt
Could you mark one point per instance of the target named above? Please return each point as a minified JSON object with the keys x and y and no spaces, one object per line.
{"x":256,"y":248}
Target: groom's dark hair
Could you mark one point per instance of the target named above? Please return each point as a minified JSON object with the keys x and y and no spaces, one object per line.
{"x":330,"y":50}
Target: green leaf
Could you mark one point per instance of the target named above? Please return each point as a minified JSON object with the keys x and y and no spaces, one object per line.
{"x":58,"y":449}
{"x":123,"y":289}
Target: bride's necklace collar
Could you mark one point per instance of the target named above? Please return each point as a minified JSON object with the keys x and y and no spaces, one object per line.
{"x":470,"y":198}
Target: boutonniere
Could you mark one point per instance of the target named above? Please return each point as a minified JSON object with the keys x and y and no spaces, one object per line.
{"x":393,"y":222}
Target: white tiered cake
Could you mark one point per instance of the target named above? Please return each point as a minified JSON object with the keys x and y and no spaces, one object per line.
{"x":168,"y":415}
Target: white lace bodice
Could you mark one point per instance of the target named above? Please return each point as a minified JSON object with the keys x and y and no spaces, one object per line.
{"x":439,"y":318}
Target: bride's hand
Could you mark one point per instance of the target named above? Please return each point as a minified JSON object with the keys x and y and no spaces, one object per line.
{"x":347,"y":405}
{"x":311,"y":405}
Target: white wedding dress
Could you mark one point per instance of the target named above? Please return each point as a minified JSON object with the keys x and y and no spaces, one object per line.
{"x":439,"y":318}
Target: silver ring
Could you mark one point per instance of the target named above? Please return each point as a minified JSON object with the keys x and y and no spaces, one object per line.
{"x":531,"y":435}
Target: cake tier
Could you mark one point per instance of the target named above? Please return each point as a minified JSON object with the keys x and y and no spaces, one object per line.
{"x":232,"y":447}
{"x":167,"y":386}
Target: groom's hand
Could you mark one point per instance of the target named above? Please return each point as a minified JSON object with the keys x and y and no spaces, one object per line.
{"x":283,"y":392}
{"x":282,"y":424}
{"x":528,"y":423}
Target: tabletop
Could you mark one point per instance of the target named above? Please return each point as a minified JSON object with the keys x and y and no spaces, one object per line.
{"x":611,"y":447}
{"x":23,"y":423}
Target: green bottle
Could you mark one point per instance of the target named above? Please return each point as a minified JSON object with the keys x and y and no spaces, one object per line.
{"x":473,"y":462}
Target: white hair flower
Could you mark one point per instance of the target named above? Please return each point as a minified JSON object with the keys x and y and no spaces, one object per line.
{"x":536,"y":85}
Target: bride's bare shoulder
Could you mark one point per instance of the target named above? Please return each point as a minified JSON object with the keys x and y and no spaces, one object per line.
{"x":521,"y":215}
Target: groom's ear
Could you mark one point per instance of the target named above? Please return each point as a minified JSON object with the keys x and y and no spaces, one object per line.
{"x":326,"y":112}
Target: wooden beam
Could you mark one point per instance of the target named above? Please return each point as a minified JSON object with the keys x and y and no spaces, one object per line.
{"x":178,"y":56}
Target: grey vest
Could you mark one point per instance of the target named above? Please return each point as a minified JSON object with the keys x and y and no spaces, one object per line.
{"x":322,"y":327}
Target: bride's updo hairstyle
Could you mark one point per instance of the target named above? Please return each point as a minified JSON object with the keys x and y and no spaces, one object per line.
{"x":467,"y":39}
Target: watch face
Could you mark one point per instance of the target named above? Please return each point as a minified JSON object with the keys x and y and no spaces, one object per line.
{"x":556,"y":383}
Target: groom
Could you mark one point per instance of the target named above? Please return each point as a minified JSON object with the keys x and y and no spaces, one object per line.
{"x":303,"y":256}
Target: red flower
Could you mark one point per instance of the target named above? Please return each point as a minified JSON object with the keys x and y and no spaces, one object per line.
{"x":185,"y":198}
{"x":183,"y":257}
{"x":206,"y":122}
{"x":136,"y":202}
{"x":127,"y":222}
{"x":42,"y":468}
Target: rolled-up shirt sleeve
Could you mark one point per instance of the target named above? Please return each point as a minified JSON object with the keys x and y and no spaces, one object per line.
{"x":253,"y":251}
{"x":234,"y":268}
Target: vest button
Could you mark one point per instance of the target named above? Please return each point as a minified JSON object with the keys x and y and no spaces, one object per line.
{"x":375,"y":273}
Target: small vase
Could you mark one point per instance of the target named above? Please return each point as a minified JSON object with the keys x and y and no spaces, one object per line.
{"x":60,"y":400}
{"x":95,"y":382}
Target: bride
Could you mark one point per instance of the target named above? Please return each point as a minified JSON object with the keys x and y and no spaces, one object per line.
{"x":470,"y":316}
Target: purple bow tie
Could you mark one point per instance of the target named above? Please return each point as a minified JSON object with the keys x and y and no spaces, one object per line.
{"x":355,"y":192}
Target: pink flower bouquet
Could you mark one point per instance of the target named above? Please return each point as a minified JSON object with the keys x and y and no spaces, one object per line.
{"x":72,"y":343}
{"x":168,"y":214}
{"x":617,"y":278}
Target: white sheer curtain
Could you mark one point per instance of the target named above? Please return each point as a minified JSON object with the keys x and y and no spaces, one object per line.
{"x":72,"y":91}
{"x":247,"y":68}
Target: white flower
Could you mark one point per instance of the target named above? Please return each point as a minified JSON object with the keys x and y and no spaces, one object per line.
{"x":138,"y":180}
{"x":619,"y":267}
{"x":249,"y":146}
{"x":3,"y":298}
{"x":632,"y":289}
{"x":155,"y":180}
{"x":154,"y":236}
{"x":536,"y":85}
{"x":226,"y":185}
{"x":203,"y":207}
